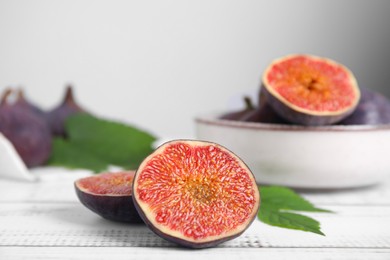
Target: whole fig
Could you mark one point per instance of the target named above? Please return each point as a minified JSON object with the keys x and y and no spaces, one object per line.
{"x":28,"y":132}
{"x":373,"y":109}
{"x":57,"y":116}
{"x":23,"y":102}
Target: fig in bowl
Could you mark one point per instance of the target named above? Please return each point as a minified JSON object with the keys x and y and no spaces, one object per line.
{"x":310,"y":90}
{"x":109,"y":195}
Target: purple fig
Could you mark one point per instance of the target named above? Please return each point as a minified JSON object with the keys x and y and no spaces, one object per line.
{"x":373,"y":109}
{"x":264,"y":113}
{"x":28,"y":132}
{"x":59,"y":114}
{"x":237,"y":115}
{"x":22,"y":101}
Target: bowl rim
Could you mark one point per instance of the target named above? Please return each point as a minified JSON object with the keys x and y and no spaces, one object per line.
{"x":213,"y":119}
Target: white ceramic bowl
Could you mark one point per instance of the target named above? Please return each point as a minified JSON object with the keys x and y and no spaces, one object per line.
{"x":326,"y":157}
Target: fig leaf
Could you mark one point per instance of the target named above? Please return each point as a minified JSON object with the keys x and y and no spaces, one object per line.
{"x":67,"y":155}
{"x":109,"y":142}
{"x":277,"y":204}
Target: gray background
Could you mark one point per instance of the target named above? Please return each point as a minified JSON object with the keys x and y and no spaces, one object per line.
{"x":158,"y":64}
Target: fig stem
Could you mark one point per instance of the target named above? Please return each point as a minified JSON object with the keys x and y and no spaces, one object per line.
{"x":248,"y":103}
{"x":69,"y":95}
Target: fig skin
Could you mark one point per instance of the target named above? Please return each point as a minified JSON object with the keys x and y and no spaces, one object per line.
{"x":373,"y":109}
{"x":57,"y":116}
{"x":166,"y":232}
{"x":27,"y":131}
{"x":114,"y":207}
{"x":294,"y":114}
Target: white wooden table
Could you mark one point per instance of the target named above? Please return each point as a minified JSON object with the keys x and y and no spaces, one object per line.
{"x":45,"y":220}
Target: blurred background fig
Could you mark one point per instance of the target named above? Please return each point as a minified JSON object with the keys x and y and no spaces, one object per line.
{"x":57,"y":116}
{"x":25,"y":129}
{"x":27,"y":104}
{"x":373,"y":109}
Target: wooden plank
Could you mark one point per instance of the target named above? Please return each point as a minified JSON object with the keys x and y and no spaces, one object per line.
{"x":118,"y":253}
{"x":70,"y":224}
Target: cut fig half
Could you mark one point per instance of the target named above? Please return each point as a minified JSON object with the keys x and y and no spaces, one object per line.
{"x":109,"y":195}
{"x":196,"y":194}
{"x":310,"y":90}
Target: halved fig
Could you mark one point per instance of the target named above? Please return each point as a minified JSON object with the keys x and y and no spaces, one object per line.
{"x":109,"y":195}
{"x":196,"y":194}
{"x":310,"y":90}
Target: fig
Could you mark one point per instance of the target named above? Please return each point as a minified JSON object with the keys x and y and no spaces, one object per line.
{"x":109,"y":195}
{"x":237,"y":115}
{"x":196,"y":194}
{"x":27,"y":131}
{"x":23,"y":102}
{"x":57,"y":116}
{"x":373,"y":109}
{"x":310,"y":90}
{"x":263,"y":114}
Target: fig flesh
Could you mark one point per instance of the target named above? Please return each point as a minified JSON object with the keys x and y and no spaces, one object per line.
{"x":57,"y":116}
{"x":373,"y":109}
{"x":27,"y":131}
{"x":109,"y":195}
{"x":310,"y":90}
{"x":196,"y":194}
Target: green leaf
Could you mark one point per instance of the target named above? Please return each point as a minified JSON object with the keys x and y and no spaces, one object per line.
{"x":114,"y":142}
{"x":284,"y":198}
{"x":276,"y":204}
{"x":95,"y":143}
{"x":67,"y":155}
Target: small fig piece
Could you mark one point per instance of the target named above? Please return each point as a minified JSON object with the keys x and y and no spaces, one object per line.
{"x":373,"y":109}
{"x":196,"y":194}
{"x":310,"y":90}
{"x":58,"y":115}
{"x":237,"y":115}
{"x":27,"y":131}
{"x":264,"y":114}
{"x":109,"y":195}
